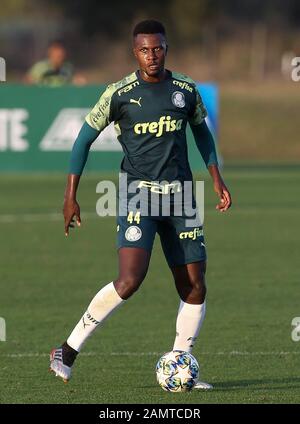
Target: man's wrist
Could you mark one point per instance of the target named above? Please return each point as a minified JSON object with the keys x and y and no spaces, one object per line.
{"x":70,"y":197}
{"x":214,"y":171}
{"x":215,"y":174}
{"x":71,"y":188}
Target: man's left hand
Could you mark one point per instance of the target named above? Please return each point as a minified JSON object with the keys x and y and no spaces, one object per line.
{"x":224,"y":195}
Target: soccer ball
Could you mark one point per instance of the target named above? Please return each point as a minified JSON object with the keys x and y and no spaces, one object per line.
{"x":177,"y":371}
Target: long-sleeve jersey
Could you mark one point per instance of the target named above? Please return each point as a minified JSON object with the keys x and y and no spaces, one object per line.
{"x":150,"y":120}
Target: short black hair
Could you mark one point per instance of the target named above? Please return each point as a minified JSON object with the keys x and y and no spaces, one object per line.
{"x":149,"y":26}
{"x":57,"y":42}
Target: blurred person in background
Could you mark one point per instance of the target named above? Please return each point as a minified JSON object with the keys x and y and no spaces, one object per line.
{"x":55,"y":71}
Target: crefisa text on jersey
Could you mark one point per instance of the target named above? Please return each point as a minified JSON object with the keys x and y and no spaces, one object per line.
{"x":151,"y":413}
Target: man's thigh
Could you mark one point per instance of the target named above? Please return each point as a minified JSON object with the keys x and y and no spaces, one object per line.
{"x":181,"y":244}
{"x":135,"y":230}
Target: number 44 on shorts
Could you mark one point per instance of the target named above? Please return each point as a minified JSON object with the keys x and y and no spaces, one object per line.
{"x":134,"y":218}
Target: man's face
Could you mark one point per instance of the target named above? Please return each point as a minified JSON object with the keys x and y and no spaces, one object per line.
{"x":57,"y":55}
{"x":150,"y":51}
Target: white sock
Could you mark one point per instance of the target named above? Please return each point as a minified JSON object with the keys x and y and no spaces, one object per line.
{"x":102,"y":305}
{"x":189,"y":321}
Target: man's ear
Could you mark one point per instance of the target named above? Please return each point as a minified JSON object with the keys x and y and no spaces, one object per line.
{"x":134,"y":52}
{"x":167,"y":48}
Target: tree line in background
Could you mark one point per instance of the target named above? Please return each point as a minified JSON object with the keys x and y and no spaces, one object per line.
{"x":186,"y":16}
{"x":221,"y":39}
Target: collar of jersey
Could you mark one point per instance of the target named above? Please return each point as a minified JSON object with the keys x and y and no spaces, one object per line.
{"x":152,"y":84}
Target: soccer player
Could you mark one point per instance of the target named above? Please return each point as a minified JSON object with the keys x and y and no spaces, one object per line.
{"x":55,"y":70}
{"x":150,"y":109}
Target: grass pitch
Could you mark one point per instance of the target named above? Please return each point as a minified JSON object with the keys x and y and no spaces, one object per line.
{"x":245,"y":347}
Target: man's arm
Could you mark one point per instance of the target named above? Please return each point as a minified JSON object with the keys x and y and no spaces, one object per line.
{"x":205,"y":143}
{"x":71,"y":207}
{"x":220,"y":188}
{"x":35,"y":73}
{"x":99,"y":118}
{"x":79,"y":157}
{"x":206,"y":146}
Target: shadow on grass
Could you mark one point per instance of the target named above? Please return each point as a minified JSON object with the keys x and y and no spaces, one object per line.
{"x":259,"y":384}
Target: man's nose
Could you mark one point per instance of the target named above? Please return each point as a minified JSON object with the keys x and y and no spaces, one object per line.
{"x":152,"y":54}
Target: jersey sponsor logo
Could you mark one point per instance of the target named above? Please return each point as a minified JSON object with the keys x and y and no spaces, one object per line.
{"x":197,"y":232}
{"x":102,"y":110}
{"x":133,"y":233}
{"x":174,"y":187}
{"x":136,"y":101}
{"x":128,"y":88}
{"x":183,"y":85}
{"x":178,"y":99}
{"x":165,"y":124}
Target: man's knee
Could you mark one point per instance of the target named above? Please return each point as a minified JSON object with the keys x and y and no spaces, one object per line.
{"x":194,"y":291}
{"x":192,"y":288}
{"x":197,"y":283}
{"x":126,"y":286}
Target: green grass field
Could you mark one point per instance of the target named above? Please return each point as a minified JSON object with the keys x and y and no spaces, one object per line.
{"x":245,"y":347}
{"x":259,"y":122}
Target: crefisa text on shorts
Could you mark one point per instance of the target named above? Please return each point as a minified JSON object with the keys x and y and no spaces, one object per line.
{"x":152,"y":198}
{"x":151,"y":413}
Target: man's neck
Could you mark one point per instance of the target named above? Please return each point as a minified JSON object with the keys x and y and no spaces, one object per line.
{"x":157,"y":78}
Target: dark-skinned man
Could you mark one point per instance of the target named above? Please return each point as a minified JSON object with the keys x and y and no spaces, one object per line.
{"x":150,"y":109}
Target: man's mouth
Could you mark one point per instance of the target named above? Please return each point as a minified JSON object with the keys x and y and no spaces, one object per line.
{"x":153,"y":66}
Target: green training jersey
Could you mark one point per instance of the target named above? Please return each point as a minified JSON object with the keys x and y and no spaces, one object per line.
{"x":43,"y":73}
{"x":150,"y":120}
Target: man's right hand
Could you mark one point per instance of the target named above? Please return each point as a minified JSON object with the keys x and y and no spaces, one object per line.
{"x":71,"y":210}
{"x":71,"y":207}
